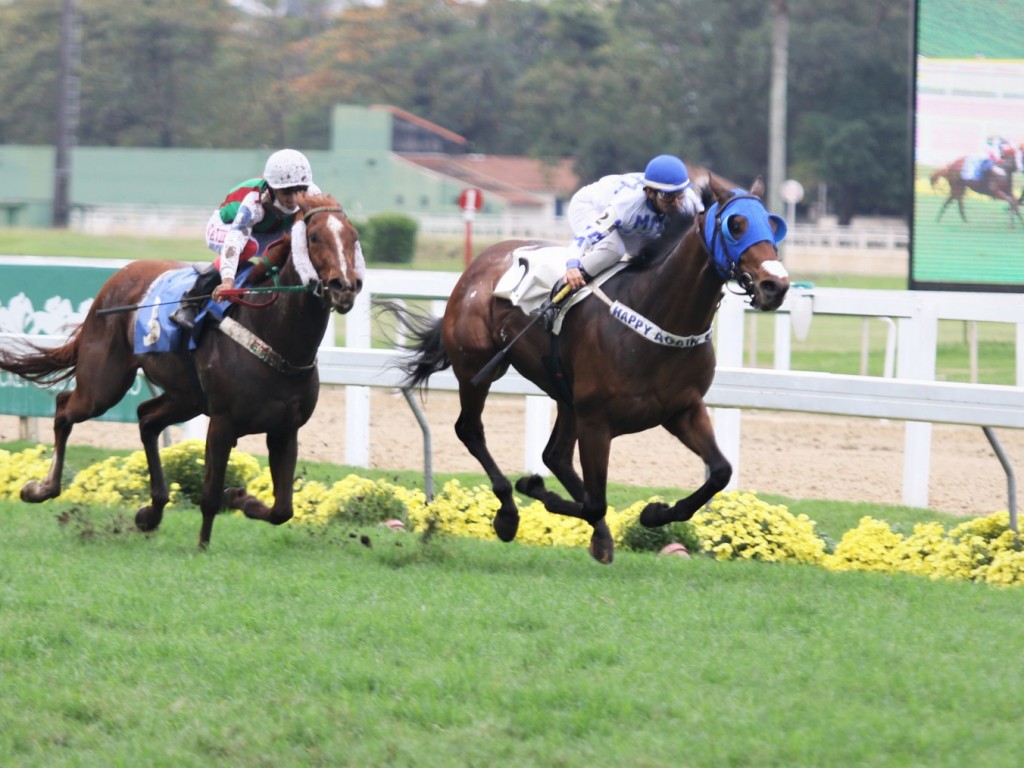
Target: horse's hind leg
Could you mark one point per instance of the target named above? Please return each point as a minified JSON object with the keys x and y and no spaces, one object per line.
{"x":154,"y":417}
{"x":97,"y":390}
{"x":695,"y":431}
{"x":559,"y":449}
{"x":470,"y":430}
{"x":35,"y":491}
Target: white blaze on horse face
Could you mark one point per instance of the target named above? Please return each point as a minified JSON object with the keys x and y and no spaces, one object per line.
{"x":774,"y":268}
{"x":337,"y":226}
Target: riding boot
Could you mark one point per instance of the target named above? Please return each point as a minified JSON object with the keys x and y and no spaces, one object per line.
{"x":194,"y":298}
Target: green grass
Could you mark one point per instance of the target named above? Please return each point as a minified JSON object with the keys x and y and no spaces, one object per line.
{"x":281,"y":646}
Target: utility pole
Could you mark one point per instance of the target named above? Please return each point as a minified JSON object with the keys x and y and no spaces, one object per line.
{"x":777,"y":105}
{"x":67,"y":112}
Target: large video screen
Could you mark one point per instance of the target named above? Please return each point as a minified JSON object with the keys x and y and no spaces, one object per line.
{"x":968,"y":225}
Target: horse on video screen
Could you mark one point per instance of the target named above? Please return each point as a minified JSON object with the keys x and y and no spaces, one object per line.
{"x":995,"y":182}
{"x":636,"y":355}
{"x":253,"y":373}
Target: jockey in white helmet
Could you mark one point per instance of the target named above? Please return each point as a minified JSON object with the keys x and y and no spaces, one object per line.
{"x":254,"y":214}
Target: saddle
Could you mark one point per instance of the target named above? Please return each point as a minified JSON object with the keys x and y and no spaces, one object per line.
{"x":535,"y":269}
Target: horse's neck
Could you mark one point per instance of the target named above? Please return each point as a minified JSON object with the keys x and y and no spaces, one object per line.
{"x":682,"y":292}
{"x":294,"y":324}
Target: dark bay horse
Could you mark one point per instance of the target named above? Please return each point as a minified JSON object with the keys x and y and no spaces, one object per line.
{"x":265,"y":382}
{"x":995,"y":182}
{"x":615,"y":381}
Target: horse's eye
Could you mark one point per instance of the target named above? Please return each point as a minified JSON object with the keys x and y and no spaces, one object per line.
{"x":737,"y":226}
{"x":312,"y":237}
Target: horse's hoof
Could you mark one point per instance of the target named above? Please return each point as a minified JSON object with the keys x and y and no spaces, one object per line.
{"x":531,"y":485}
{"x":235,"y":498}
{"x":506,"y":525}
{"x":654,"y":514}
{"x":35,"y":491}
{"x":602,"y":547}
{"x":144,"y":519}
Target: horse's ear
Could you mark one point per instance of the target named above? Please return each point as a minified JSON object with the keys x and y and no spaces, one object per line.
{"x":723,"y":188}
{"x":757,"y":188}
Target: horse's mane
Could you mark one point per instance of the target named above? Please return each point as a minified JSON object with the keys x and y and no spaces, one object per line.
{"x":308,"y":201}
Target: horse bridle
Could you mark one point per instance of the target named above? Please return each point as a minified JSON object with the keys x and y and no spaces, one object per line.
{"x":731,"y":269}
{"x":317,"y":289}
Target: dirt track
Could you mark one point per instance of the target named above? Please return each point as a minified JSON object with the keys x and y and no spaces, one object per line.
{"x":795,"y":455}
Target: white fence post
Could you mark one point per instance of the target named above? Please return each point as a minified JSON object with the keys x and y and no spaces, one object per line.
{"x":357,"y":399}
{"x":916,"y":360}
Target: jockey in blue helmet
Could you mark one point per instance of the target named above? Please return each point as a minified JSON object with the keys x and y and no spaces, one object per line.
{"x":613,"y":217}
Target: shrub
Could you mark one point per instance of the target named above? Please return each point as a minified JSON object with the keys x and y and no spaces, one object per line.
{"x":391,"y":238}
{"x":185,"y":464}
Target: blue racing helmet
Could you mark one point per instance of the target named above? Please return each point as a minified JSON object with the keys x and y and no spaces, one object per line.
{"x":666,"y":173}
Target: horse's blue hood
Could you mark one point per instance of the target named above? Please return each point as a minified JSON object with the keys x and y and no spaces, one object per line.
{"x":726,"y":250}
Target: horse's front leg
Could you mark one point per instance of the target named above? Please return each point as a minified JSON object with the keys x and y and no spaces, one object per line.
{"x":283,"y":452}
{"x":220,"y":439}
{"x":694,"y":429}
{"x":595,"y":448}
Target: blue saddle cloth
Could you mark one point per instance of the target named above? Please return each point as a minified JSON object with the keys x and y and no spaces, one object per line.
{"x":154,"y":329}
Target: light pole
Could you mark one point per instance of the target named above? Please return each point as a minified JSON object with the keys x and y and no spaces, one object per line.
{"x":67,"y":113}
{"x":777,"y":104}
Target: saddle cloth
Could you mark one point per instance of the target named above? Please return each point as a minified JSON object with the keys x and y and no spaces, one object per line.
{"x":154,"y":331}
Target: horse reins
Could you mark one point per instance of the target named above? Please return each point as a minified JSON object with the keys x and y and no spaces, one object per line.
{"x":253,"y":343}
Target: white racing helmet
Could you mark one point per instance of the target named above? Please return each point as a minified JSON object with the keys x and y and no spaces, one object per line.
{"x":288,"y":168}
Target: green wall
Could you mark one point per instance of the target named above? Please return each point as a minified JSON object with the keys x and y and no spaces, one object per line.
{"x":359,"y":170}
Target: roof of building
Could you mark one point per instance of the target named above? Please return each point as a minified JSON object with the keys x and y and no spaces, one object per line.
{"x":522,"y":181}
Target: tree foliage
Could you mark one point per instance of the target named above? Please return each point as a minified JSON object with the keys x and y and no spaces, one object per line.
{"x":608,"y":82}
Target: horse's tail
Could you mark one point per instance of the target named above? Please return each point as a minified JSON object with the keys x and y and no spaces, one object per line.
{"x":939,"y":174}
{"x":422,"y":334}
{"x":43,"y":365}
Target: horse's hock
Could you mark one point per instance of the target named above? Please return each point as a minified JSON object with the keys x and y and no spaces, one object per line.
{"x":826,"y":457}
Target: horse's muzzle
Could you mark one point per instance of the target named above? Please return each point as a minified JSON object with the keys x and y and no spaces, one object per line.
{"x":342,"y":296}
{"x":768,"y":295}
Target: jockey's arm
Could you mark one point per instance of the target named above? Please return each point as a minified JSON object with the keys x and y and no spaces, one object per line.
{"x":250,"y":213}
{"x":584,"y":241}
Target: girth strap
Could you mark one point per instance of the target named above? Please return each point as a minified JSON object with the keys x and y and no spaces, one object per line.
{"x":257,"y":346}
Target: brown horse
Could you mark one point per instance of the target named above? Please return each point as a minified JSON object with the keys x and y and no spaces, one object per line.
{"x":995,"y":182}
{"x":609,"y":378}
{"x":245,"y":386}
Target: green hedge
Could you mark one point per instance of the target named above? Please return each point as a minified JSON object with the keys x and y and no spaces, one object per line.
{"x":389,"y":237}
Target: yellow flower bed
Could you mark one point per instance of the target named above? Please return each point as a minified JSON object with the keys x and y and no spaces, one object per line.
{"x":733,"y":526}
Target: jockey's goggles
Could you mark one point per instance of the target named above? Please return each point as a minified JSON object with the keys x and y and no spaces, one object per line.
{"x":668,"y":197}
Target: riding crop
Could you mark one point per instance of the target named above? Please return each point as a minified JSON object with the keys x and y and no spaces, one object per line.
{"x":495,"y":361}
